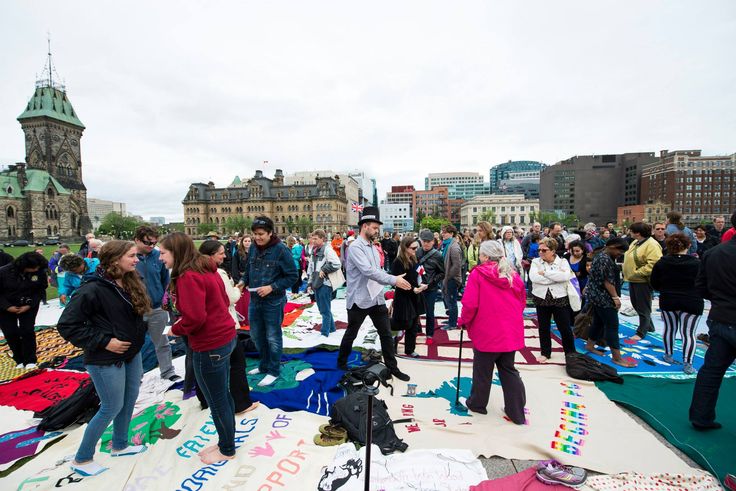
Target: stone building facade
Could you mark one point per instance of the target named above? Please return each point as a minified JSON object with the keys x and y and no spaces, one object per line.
{"x":45,"y":195}
{"x":324,"y":203}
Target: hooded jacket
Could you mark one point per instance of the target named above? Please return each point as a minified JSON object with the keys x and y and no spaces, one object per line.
{"x":493,"y":310}
{"x":99,"y":311}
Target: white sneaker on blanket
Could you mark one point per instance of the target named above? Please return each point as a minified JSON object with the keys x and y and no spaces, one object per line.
{"x":267,"y":380}
{"x":254,"y":371}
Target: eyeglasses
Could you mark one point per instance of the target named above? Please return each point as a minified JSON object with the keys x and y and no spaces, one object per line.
{"x":149,"y":243}
{"x":544,"y":250}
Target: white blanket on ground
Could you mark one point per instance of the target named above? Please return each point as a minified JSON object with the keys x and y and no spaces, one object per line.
{"x":415,"y":470}
{"x":568,"y":420}
{"x":275,"y":451}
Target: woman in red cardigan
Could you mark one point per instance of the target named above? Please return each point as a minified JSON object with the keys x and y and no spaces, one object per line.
{"x":199,"y":295}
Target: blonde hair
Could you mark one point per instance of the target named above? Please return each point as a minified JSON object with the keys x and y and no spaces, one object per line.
{"x":495,"y":252}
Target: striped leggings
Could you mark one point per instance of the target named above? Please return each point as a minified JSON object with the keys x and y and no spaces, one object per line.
{"x":675,"y":321}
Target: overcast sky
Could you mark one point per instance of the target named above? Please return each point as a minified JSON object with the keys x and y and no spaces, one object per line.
{"x":174,"y":92}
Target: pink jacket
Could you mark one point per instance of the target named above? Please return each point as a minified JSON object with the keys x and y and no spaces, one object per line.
{"x":493,"y":310}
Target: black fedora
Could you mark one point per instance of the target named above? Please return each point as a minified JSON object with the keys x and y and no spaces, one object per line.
{"x":370,"y":214}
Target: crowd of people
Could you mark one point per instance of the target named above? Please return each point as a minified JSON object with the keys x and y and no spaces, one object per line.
{"x":117,"y":292}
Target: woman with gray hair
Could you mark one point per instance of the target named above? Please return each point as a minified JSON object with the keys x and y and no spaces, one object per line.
{"x":495,"y":324}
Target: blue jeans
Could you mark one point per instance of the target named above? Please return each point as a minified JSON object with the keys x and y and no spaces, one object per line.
{"x":323,"y":295}
{"x":721,"y":353}
{"x":430,"y":297}
{"x":117,"y":386}
{"x":212,"y":370}
{"x":266,"y":316}
{"x":451,"y":303}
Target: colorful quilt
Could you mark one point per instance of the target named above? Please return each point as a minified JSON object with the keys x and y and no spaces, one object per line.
{"x":49,"y":346}
{"x":21,"y":443}
{"x":446,"y":344}
{"x":39,"y":391}
{"x":314,"y":393}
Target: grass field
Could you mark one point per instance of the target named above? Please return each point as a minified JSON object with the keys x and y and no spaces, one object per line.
{"x":47,"y":252}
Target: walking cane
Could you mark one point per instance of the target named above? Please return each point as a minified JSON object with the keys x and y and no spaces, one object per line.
{"x":458,"y":406}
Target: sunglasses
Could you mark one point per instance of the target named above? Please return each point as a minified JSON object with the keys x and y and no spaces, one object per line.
{"x":149,"y":243}
{"x":544,"y":250}
{"x":414,"y":248}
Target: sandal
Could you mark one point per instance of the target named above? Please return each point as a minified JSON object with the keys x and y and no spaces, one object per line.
{"x":333,"y":431}
{"x":326,"y":441}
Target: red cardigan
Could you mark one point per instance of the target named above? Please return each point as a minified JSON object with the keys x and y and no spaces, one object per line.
{"x":203,"y":304}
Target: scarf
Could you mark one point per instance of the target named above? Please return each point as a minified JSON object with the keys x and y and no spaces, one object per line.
{"x":445,"y":246}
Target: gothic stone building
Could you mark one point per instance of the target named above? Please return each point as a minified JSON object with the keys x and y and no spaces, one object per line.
{"x":323,"y":202}
{"x":45,"y":196}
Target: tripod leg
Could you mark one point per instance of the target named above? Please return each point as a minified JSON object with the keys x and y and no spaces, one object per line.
{"x":368,"y":443}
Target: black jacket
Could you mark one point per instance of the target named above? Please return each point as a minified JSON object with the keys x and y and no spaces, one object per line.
{"x":716,"y":281}
{"x":434,"y":267}
{"x":97,"y":312}
{"x":18,"y":289}
{"x":674,"y":277}
{"x":390,"y":248}
{"x":709,"y":243}
{"x":238,"y":265}
{"x":407,"y":305}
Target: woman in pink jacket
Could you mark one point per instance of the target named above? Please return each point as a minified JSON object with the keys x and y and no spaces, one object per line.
{"x":496,"y":327}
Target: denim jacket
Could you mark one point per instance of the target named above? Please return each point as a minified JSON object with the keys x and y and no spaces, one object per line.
{"x":272,"y":266}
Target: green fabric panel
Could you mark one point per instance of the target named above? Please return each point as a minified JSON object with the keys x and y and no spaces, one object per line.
{"x":664,"y":403}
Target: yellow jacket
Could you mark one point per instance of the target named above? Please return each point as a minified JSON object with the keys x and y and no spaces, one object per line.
{"x":640,"y":259}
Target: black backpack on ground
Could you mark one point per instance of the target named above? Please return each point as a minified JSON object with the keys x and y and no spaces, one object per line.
{"x":353,"y":380}
{"x":351,"y":412}
{"x":80,"y":407}
{"x":583,"y":367}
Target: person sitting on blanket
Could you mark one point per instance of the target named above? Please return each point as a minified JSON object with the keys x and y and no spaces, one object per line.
{"x":493,"y":313}
{"x":105,"y":318}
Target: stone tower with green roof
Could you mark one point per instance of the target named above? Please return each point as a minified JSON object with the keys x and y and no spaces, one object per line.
{"x":45,"y":195}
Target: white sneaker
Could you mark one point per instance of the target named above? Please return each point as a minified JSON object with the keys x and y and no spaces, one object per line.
{"x":19,"y":366}
{"x":31,"y":366}
{"x":254,"y":371}
{"x":267,"y":380}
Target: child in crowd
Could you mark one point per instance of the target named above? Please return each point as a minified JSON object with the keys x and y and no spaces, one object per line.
{"x":75,"y":267}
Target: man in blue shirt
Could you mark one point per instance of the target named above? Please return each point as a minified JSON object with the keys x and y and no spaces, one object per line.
{"x":156,"y":277}
{"x":364,"y":295}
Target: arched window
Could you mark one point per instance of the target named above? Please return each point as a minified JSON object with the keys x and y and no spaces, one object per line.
{"x":10,"y":212}
{"x":56,"y":230}
{"x":48,"y":230}
{"x":50,"y":192}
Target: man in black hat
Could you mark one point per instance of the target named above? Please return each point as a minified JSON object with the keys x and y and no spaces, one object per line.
{"x":364,"y":295}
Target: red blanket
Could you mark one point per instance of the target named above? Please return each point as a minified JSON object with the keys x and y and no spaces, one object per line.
{"x":40,"y":390}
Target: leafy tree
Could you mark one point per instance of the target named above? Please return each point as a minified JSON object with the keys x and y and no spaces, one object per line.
{"x":205,"y":228}
{"x":420,"y":217}
{"x":544,"y":217}
{"x":433,"y":224}
{"x":290,"y":225}
{"x":304,"y":226}
{"x":487,"y":216}
{"x":237,"y":224}
{"x":118,"y":226}
{"x":172,"y":227}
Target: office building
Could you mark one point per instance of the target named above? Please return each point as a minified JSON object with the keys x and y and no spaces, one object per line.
{"x":592,"y":187}
{"x":698,"y":186}
{"x":499,"y":210}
